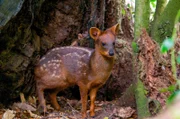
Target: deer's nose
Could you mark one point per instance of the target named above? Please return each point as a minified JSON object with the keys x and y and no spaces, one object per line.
{"x":111,"y":52}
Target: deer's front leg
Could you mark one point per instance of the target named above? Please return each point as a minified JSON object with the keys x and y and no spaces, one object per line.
{"x":93,"y":93}
{"x":84,"y":95}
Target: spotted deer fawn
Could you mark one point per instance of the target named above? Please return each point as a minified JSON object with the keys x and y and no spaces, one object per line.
{"x":63,"y":67}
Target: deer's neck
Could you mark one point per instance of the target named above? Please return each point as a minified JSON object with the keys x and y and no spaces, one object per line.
{"x":100,"y":64}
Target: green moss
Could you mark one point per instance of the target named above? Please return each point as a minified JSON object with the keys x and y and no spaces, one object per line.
{"x":4,"y":57}
{"x":165,"y":24}
{"x":142,"y":14}
{"x":12,"y":62}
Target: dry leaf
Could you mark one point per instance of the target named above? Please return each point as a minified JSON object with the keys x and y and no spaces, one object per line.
{"x":24,"y":106}
{"x":9,"y":114}
{"x":23,"y":100}
{"x":32,"y":100}
{"x":123,"y":112}
{"x":34,"y":115}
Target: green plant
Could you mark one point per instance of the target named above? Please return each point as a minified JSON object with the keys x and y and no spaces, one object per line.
{"x":168,"y":45}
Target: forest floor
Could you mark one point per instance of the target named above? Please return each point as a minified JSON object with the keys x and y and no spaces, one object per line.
{"x":155,"y":72}
{"x":70,"y":109}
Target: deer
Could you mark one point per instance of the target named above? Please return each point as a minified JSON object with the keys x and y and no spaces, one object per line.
{"x":87,"y":68}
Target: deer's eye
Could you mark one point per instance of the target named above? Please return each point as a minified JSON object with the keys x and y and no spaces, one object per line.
{"x":103,"y":44}
{"x":113,"y":43}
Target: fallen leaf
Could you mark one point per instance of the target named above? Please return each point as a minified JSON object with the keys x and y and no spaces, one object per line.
{"x":34,"y":115}
{"x":55,"y":115}
{"x":123,"y":112}
{"x":9,"y":114}
{"x":49,"y":107}
{"x":24,"y":106}
{"x":23,"y":100}
{"x":32,"y":100}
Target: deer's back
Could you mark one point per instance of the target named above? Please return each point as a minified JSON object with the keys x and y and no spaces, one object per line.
{"x":64,"y":63}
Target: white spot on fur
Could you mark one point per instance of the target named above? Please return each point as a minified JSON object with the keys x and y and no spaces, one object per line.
{"x":79,"y":48}
{"x":41,"y":68}
{"x":48,"y":53}
{"x":54,"y":64}
{"x":57,"y":76}
{"x":55,"y":49}
{"x":49,"y":64}
{"x":43,"y":58}
{"x":53,"y":75}
{"x":44,"y":65}
{"x":58,"y":55}
{"x":76,"y":54}
{"x":66,"y":55}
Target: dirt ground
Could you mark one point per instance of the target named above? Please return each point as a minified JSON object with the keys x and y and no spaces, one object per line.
{"x":70,"y":109}
{"x":154,"y":72}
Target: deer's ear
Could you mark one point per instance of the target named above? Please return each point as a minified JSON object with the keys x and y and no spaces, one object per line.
{"x":94,"y":33}
{"x":115,"y":29}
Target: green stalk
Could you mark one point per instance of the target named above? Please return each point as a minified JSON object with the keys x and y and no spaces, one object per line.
{"x":173,"y":59}
{"x":173,"y":64}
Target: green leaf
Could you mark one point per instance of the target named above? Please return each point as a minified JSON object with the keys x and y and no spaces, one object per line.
{"x":171,"y":88}
{"x":123,"y":11}
{"x":163,"y":90}
{"x":152,"y":0}
{"x":167,"y":45}
{"x":153,"y":4}
{"x":178,"y":59}
{"x":173,"y":96}
{"x":135,"y":47}
{"x":128,"y":5}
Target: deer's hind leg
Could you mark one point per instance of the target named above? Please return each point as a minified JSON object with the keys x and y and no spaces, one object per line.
{"x":42,"y":103}
{"x":53,"y":98}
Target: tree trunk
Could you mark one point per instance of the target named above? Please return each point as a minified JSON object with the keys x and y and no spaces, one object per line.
{"x":161,"y":4}
{"x":163,"y":27}
{"x":142,"y":14}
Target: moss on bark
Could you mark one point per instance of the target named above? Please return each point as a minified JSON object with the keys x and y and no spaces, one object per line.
{"x":142,"y":14}
{"x":164,"y":26}
{"x":161,"y":4}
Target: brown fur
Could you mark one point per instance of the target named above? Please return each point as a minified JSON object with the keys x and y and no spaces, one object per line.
{"x":63,"y":67}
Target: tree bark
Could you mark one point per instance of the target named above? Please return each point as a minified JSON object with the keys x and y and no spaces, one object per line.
{"x":161,"y":4}
{"x":163,"y":27}
{"x":142,"y":14}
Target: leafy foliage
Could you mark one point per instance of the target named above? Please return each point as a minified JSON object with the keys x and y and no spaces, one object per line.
{"x":135,"y":47}
{"x":152,"y":0}
{"x":123,"y":11}
{"x":178,"y":59}
{"x":170,"y":88}
{"x":173,"y":96}
{"x":167,"y":45}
